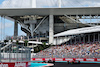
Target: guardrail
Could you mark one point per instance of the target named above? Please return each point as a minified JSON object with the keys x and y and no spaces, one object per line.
{"x":67,"y":59}
{"x":15,"y":56}
{"x":15,"y":53}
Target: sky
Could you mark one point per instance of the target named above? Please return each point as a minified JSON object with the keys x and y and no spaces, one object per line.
{"x":1,"y":1}
{"x":50,"y":3}
{"x":9,"y":25}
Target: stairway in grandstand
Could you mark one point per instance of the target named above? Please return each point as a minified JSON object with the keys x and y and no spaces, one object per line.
{"x":4,"y":45}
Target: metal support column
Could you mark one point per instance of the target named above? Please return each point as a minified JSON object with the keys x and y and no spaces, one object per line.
{"x":88,"y":38}
{"x":71,"y":39}
{"x":9,"y":54}
{"x":31,"y":28}
{"x":1,"y":28}
{"x":84,"y":38}
{"x":0,"y":52}
{"x":51,"y":29}
{"x":98,"y":36}
{"x":56,"y":40}
{"x":66,"y":39}
{"x":80,"y":39}
{"x":93,"y":37}
{"x":15,"y":29}
{"x":75,"y":40}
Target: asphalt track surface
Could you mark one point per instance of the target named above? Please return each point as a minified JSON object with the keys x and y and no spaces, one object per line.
{"x":75,"y":65}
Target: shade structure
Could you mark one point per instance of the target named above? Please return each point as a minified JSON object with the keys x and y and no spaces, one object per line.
{"x":79,"y":31}
{"x":50,"y":11}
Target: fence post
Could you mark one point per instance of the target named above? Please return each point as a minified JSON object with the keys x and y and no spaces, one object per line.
{"x":9,"y":54}
{"x":0,"y":52}
{"x":25,"y":53}
{"x":17,"y":52}
{"x":22,"y":53}
{"x":29,"y":54}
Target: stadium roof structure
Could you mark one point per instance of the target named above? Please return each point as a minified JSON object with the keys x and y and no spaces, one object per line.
{"x":79,"y":31}
{"x":48,"y":11}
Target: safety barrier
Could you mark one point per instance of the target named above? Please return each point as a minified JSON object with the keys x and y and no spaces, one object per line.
{"x":15,"y":64}
{"x":15,"y":56}
{"x":67,"y":59}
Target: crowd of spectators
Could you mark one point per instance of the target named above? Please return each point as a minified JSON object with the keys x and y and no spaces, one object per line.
{"x":91,"y":50}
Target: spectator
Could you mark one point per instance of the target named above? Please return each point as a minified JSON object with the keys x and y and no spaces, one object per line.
{"x":71,"y":51}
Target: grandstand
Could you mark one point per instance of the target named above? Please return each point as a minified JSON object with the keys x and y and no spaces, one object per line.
{"x":64,"y":20}
{"x":63,"y":28}
{"x":69,"y":35}
{"x":84,"y":50}
{"x":55,"y":26}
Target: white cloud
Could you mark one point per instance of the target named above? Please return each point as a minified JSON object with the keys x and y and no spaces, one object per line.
{"x":1,"y":27}
{"x":22,"y":33}
{"x":51,"y":3}
{"x":7,"y":25}
{"x":81,"y":3}
{"x":15,"y":3}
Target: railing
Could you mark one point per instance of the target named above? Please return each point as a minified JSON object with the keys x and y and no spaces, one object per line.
{"x":15,"y":53}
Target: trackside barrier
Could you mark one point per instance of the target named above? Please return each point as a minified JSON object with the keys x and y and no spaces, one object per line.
{"x":15,"y":64}
{"x":67,"y":59}
{"x":15,"y":56}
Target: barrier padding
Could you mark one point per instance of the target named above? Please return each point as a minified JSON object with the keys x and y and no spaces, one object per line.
{"x":15,"y":64}
{"x":67,"y":59}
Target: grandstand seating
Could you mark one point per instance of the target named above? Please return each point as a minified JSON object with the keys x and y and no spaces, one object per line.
{"x":85,"y":50}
